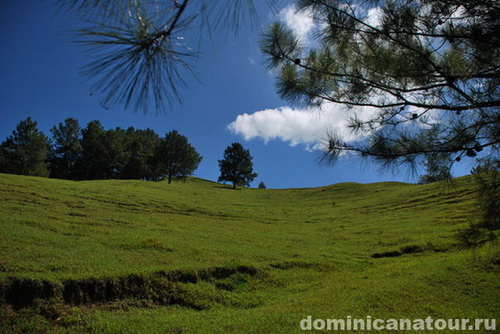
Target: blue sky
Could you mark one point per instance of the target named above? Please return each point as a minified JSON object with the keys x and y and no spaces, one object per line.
{"x":234,"y":99}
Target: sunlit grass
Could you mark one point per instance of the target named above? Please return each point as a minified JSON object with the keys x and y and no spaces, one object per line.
{"x":313,"y":249}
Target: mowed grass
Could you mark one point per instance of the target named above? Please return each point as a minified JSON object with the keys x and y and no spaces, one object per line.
{"x":313,"y":250}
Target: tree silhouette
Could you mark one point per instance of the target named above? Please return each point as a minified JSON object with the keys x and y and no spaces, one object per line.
{"x":437,"y":169}
{"x":141,"y":145}
{"x":175,"y":158}
{"x":66,"y":149}
{"x":25,"y":151}
{"x":236,"y":166}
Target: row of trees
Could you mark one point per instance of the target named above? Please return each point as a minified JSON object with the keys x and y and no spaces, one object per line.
{"x":94,"y":153}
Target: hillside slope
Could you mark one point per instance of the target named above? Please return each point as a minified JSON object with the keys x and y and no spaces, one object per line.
{"x":383,"y":249}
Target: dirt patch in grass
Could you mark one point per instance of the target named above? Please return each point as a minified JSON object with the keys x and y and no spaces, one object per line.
{"x":410,"y":249}
{"x":161,"y":288}
{"x":287,"y":265}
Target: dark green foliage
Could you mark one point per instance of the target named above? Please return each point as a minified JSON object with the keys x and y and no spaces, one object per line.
{"x":437,"y":167}
{"x":486,"y":165}
{"x":141,"y":145}
{"x":92,"y":164}
{"x":237,"y":166}
{"x":489,"y":200}
{"x":486,"y":226}
{"x":175,"y":158}
{"x":262,"y":185}
{"x":24,"y":292}
{"x":25,"y":151}
{"x":94,"y":153}
{"x":116,"y":153}
{"x":66,"y":149}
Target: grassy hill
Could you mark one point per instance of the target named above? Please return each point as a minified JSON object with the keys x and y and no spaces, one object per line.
{"x":197,"y":257}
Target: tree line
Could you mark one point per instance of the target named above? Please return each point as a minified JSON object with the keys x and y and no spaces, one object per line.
{"x":93,"y":153}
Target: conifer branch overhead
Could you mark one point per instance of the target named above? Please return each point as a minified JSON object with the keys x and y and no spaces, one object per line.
{"x":424,"y":67}
{"x":140,"y":51}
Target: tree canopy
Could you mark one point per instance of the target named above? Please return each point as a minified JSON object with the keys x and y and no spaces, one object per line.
{"x":421,"y":77}
{"x":437,"y":168}
{"x":25,"y":151}
{"x":66,"y":149}
{"x":175,"y":157}
{"x":93,"y":153}
{"x":236,"y":166}
{"x":142,"y":146}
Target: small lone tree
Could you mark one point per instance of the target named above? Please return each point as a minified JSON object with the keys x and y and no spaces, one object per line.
{"x":175,"y":157}
{"x":262,"y":185}
{"x":237,"y":166}
{"x":25,"y":151}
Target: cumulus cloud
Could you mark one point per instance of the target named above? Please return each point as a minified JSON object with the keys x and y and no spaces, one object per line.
{"x":374,"y":17}
{"x":300,"y":22}
{"x":297,"y":126}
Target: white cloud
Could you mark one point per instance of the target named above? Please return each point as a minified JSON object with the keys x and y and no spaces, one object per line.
{"x":374,"y":16}
{"x":297,"y":126}
{"x":300,"y":22}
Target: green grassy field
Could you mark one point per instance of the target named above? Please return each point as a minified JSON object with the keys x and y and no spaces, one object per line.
{"x":198,"y":257}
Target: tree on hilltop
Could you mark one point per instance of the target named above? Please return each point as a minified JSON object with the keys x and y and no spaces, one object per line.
{"x":237,"y":166}
{"x":66,"y":149}
{"x":175,"y":158}
{"x":142,"y":146}
{"x":25,"y":151}
{"x":104,"y":154}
